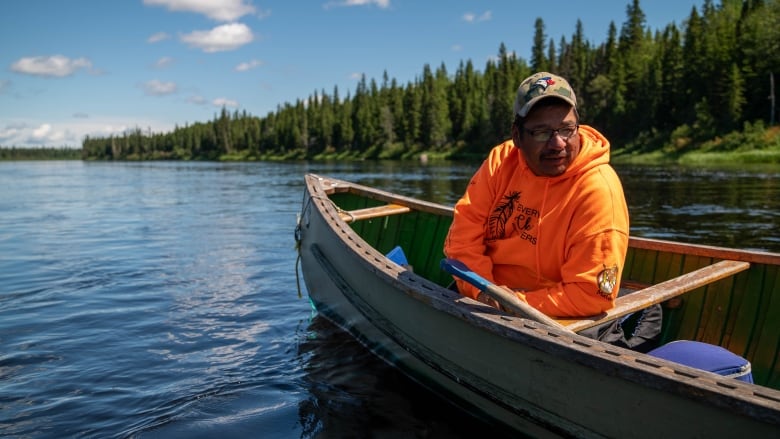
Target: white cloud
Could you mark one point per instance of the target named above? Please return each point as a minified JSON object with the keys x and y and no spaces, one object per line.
{"x":384,"y":4}
{"x":10,"y":133}
{"x":197,"y":100}
{"x":473,"y":18}
{"x":156,"y":38}
{"x":456,"y":48}
{"x":46,"y":135}
{"x":244,"y":66}
{"x":221,"y":38}
{"x":224,"y":102}
{"x":50,"y":66}
{"x":163,"y":62}
{"x":71,"y":132}
{"x":26,"y":134}
{"x":220,"y":10}
{"x":158,"y":88}
{"x":356,"y":76}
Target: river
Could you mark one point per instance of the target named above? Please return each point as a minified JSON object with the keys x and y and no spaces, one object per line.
{"x":161,"y":299}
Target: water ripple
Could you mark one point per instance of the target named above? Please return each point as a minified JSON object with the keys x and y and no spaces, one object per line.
{"x":159,"y":299}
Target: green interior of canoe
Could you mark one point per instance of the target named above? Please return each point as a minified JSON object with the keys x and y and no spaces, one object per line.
{"x":740,"y":313}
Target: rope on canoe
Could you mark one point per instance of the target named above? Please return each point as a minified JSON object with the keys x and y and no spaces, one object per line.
{"x":298,"y":230}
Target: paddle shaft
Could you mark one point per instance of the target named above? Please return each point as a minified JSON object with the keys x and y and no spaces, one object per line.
{"x":504,"y":296}
{"x":514,"y":305}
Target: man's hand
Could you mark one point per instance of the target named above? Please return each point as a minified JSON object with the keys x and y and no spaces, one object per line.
{"x":487,"y":300}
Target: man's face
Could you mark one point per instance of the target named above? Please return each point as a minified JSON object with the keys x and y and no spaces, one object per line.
{"x":553,"y":156}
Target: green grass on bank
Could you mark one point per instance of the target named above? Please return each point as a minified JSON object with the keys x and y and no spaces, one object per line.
{"x":764,"y":156}
{"x":754,"y":144}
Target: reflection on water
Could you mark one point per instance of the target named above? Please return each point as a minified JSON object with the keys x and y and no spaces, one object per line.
{"x":352,"y":393}
{"x":731,"y":208}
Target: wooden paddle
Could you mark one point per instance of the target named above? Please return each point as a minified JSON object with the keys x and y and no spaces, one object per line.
{"x":502,"y":295}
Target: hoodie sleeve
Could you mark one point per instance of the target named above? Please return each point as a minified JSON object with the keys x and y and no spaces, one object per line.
{"x":465,"y":240}
{"x":594,"y":256}
{"x":591,"y":278}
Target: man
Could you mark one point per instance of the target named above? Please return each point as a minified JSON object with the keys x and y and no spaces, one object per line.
{"x":545,"y":214}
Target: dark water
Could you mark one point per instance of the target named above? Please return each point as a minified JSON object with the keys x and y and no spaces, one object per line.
{"x":161,"y":299}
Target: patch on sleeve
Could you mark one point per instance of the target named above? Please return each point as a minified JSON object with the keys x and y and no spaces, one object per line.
{"x":607,"y":280}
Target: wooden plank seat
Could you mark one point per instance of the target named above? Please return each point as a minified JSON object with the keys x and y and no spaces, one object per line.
{"x":657,"y":293}
{"x":373,"y":212}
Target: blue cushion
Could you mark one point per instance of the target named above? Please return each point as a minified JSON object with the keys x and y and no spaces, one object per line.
{"x":706,"y":357}
{"x":397,"y":255}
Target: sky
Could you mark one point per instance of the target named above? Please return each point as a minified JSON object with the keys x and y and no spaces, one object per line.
{"x":74,"y":68}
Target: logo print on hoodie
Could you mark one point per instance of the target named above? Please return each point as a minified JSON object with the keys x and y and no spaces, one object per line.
{"x":510,"y":211}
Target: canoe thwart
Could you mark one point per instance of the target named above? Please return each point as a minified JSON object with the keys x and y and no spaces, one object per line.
{"x":373,"y":212}
{"x":660,"y":292}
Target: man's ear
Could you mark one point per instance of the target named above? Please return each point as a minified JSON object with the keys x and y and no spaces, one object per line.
{"x":515,"y":134}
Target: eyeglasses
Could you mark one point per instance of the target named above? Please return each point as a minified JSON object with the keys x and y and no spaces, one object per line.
{"x":546,"y":135}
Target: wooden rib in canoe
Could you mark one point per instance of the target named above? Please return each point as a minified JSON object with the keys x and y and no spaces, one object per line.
{"x":373,"y":212}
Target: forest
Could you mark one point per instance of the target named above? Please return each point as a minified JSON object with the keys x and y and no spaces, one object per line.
{"x":705,"y":84}
{"x":49,"y":153}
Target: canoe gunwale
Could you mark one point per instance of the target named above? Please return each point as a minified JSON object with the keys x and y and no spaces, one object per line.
{"x":757,"y":402}
{"x":755,"y":256}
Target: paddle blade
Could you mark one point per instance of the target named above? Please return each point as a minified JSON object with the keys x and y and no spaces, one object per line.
{"x":459,"y":269}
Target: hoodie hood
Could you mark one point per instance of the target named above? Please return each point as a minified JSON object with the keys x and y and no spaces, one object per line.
{"x":594,"y":151}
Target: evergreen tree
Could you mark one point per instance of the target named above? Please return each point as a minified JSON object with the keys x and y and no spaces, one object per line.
{"x":759,"y":51}
{"x":413,"y":116}
{"x":538,"y":61}
{"x":672,"y":92}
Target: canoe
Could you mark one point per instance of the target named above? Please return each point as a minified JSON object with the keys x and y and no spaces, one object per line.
{"x":534,"y":378}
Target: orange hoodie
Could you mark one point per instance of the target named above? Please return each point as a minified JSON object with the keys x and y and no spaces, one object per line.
{"x":559,"y":239}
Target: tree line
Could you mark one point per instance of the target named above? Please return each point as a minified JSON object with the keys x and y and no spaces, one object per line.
{"x":61,"y":153}
{"x":675,"y":88}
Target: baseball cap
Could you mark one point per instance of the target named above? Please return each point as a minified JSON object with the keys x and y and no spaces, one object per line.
{"x":539,"y":86}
